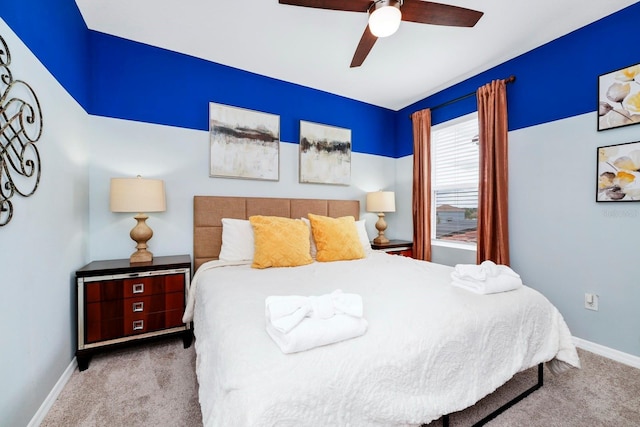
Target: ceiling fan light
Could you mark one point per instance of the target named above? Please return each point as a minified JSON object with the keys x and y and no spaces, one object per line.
{"x":385,"y":20}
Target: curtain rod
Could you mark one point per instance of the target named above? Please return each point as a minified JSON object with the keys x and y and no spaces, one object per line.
{"x":509,"y":79}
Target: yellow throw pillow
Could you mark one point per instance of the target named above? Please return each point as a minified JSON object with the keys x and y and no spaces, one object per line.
{"x":336,"y":238}
{"x":280,"y":242}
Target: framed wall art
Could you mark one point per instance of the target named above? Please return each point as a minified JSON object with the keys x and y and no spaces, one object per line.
{"x":243,"y":143}
{"x":325,"y":154}
{"x":619,"y":98}
{"x":618,"y":176}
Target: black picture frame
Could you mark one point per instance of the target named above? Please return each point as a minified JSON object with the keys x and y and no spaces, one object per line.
{"x":619,"y":98}
{"x":618,"y":176}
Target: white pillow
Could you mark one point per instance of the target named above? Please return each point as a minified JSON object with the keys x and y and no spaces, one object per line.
{"x":312,"y":242}
{"x":237,"y":240}
{"x":362,"y":234}
{"x":364,"y":237}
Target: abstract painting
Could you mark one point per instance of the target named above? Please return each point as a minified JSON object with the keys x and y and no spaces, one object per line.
{"x":325,"y":154}
{"x":243,"y":143}
{"x":618,"y":176}
{"x":619,"y":98}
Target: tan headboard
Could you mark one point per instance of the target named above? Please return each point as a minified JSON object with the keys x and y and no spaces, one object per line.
{"x":208,"y":212}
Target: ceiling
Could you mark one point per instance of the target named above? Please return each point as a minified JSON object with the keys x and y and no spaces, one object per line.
{"x":314,"y":47}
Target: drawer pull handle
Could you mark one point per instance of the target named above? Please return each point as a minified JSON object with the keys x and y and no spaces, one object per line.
{"x":138,"y":325}
{"x":138,"y":288}
{"x":138,"y":306}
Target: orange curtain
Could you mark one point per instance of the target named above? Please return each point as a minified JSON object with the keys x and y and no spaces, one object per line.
{"x":493,"y":223}
{"x":422,"y":184}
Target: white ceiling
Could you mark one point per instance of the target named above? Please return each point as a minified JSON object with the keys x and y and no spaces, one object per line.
{"x":314,"y":47}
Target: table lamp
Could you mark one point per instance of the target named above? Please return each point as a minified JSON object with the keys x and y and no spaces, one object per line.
{"x":380,"y":202}
{"x":138,"y":195}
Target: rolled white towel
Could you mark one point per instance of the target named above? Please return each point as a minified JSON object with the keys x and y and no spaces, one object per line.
{"x":311,"y":333}
{"x":486,"y":269}
{"x":471,"y":271}
{"x":494,"y":270}
{"x":298,"y":323}
{"x":286,"y":312}
{"x":500,"y":283}
{"x":486,"y":278}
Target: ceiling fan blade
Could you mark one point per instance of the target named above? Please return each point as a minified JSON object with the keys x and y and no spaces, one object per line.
{"x":348,"y":5}
{"x":364,"y":47}
{"x":425,"y":12}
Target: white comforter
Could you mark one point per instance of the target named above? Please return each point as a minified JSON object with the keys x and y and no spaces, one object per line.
{"x":431,"y":348}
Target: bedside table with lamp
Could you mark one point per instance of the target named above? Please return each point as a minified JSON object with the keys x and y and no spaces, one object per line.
{"x":381,"y":202}
{"x":127,"y":300}
{"x":395,"y":247}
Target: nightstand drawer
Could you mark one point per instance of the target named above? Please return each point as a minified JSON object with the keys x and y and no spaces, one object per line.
{"x":153,"y":322}
{"x":143,"y":286}
{"x":132,"y":324}
{"x":117,"y":309}
{"x":117,"y":289}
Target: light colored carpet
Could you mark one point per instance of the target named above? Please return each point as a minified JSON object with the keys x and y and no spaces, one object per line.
{"x":155,"y":385}
{"x":151,"y":384}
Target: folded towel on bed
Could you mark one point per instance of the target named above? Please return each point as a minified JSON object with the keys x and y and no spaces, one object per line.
{"x":470,"y":272}
{"x":286,"y":312}
{"x":298,"y":323}
{"x":486,"y":278}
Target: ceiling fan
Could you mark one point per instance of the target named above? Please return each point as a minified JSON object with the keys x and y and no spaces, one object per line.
{"x":385,"y":17}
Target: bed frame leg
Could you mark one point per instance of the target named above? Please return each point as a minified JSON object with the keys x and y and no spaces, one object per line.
{"x":509,"y":404}
{"x":516,"y":399}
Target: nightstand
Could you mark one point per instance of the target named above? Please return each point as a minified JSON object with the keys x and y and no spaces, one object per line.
{"x":395,"y":247}
{"x":119,"y":303}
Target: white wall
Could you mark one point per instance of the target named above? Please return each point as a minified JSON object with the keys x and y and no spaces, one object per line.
{"x":563,"y":243}
{"x":41,"y":247}
{"x":121,"y":148}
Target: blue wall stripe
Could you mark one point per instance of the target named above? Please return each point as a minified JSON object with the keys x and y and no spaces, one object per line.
{"x":553,"y":82}
{"x":113,"y":77}
{"x":135,"y":81}
{"x":57,"y":35}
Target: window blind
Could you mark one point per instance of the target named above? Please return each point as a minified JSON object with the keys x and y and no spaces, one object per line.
{"x":455,"y":164}
{"x":455,"y":169}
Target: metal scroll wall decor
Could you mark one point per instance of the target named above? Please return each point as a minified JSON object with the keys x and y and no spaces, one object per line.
{"x":20,"y":129}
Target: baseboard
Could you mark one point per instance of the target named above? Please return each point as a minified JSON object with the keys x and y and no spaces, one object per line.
{"x":609,"y":353}
{"x":53,"y":395}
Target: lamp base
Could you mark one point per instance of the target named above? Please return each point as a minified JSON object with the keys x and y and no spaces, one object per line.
{"x":380,"y":240}
{"x":141,"y":234}
{"x":141,"y":255}
{"x":381,"y":225}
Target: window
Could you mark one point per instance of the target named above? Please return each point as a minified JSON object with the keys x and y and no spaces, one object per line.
{"x":454,"y":169}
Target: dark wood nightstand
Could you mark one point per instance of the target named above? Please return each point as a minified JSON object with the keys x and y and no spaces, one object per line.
{"x":395,"y":247}
{"x":119,"y":303}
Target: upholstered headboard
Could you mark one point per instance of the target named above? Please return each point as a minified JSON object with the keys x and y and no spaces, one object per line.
{"x":208,"y":212}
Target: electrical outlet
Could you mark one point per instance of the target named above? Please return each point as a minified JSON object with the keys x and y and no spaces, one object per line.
{"x":591,"y":301}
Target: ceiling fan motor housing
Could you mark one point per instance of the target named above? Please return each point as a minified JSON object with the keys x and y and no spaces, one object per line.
{"x":385,"y":17}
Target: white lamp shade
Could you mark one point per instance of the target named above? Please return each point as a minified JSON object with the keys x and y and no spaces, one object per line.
{"x":381,"y":201}
{"x":137,"y":195}
{"x":385,"y":21}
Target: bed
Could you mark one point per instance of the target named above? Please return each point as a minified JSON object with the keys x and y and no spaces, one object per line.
{"x":430,"y":349}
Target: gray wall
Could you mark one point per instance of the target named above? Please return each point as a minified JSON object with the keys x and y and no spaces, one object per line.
{"x":563,"y":243}
{"x":45,"y":242}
